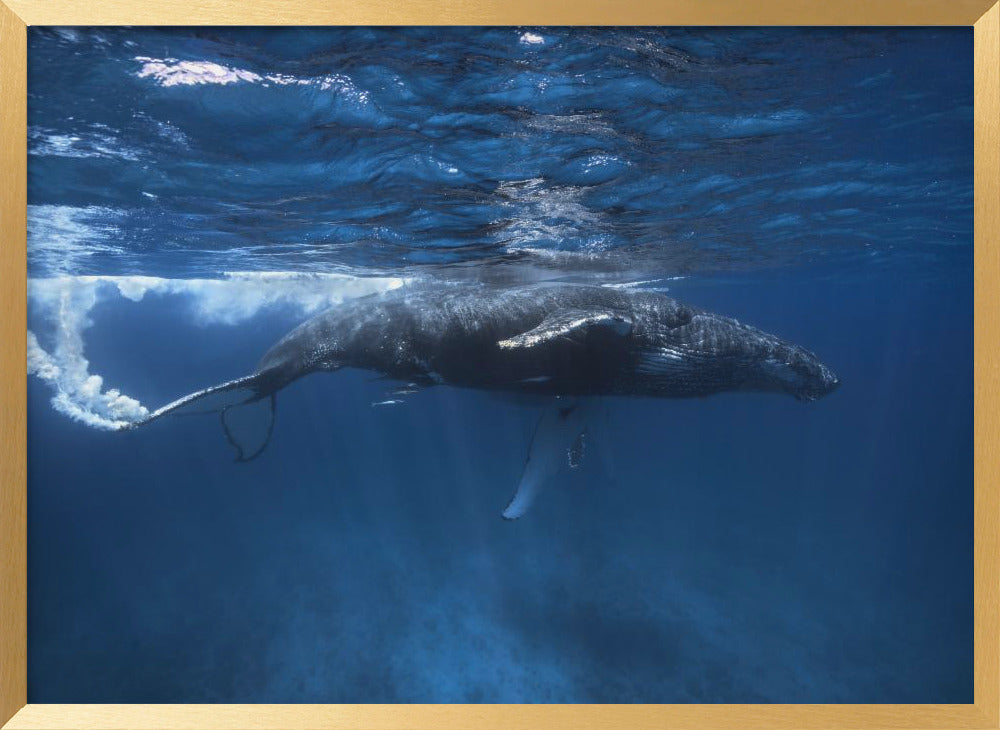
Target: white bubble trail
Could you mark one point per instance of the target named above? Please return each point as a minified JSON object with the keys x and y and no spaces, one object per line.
{"x":63,"y":307}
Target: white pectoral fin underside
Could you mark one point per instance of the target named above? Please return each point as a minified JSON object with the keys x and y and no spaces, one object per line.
{"x":560,"y":441}
{"x":571,"y":323}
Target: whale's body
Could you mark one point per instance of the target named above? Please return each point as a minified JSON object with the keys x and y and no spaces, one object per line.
{"x":564,"y":342}
{"x":548,"y":340}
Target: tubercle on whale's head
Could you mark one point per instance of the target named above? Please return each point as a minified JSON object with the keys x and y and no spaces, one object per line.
{"x":798,"y":372}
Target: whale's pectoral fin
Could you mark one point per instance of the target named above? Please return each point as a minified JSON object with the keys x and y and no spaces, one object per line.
{"x":560,"y":441}
{"x":248,"y":426}
{"x":572,"y":323}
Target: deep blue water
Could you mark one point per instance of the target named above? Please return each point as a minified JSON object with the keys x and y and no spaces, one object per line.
{"x":194,"y":194}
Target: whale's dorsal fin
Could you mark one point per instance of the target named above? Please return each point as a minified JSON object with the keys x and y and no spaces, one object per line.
{"x":571,"y":323}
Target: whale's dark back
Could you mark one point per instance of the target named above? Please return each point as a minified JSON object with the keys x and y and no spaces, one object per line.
{"x":452,"y":336}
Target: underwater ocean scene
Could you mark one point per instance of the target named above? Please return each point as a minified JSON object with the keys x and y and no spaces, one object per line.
{"x":662,"y":505}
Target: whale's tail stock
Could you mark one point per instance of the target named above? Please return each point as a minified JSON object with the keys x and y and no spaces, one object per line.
{"x":245,"y":407}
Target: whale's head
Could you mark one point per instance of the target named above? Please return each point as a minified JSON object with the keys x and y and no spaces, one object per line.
{"x":694,"y":352}
{"x":794,"y":370}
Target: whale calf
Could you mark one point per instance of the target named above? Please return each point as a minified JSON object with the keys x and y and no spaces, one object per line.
{"x":563,"y":344}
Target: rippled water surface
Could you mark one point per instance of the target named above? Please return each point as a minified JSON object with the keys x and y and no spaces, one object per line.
{"x":195,"y":193}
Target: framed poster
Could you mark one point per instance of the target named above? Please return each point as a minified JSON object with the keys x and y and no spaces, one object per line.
{"x":641,"y":356}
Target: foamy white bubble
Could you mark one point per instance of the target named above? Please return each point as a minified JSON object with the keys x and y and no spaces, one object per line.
{"x":63,"y":305}
{"x":78,"y":393}
{"x":171,"y":72}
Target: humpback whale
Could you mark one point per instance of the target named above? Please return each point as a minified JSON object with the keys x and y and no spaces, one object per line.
{"x":564,"y":344}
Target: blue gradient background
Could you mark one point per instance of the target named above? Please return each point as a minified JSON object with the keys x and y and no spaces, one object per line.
{"x":750,"y":548}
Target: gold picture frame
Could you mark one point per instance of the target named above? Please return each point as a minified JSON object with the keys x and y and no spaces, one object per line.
{"x":15,"y":15}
